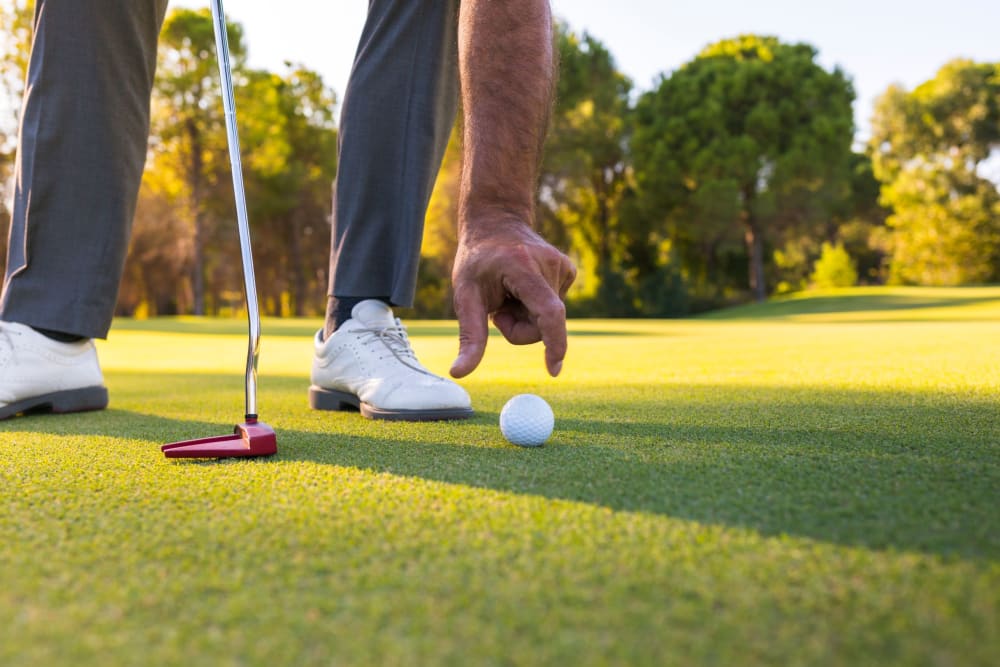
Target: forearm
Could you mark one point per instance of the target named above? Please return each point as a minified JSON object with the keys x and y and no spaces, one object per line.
{"x":507,"y":72}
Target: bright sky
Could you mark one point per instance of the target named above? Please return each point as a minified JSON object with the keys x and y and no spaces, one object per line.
{"x":877,"y":42}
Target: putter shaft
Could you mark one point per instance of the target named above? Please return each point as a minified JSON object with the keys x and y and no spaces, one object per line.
{"x":229,"y":107}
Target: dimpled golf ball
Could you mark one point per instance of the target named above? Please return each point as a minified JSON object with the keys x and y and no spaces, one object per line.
{"x":527,"y":420}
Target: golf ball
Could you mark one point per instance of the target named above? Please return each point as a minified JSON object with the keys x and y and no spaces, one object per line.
{"x":527,"y":420}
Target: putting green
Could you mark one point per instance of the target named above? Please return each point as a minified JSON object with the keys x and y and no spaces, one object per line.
{"x":810,"y":481}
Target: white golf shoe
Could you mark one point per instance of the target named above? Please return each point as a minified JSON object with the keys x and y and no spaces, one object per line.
{"x":368,"y":365}
{"x":38,"y":374}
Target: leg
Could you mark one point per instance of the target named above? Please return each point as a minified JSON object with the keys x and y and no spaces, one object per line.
{"x":81,"y":151}
{"x":397,"y":115}
{"x":398,"y":111}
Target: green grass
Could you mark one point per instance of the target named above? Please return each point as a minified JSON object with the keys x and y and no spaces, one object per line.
{"x":812,"y":481}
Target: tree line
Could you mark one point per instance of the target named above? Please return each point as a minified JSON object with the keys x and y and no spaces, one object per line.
{"x":735,"y":177}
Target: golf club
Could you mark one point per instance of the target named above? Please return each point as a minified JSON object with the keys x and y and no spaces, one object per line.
{"x":250,"y":438}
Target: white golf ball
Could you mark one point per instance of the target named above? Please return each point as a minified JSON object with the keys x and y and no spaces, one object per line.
{"x":527,"y":420}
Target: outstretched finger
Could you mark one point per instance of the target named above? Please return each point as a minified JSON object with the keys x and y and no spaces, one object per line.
{"x":473,"y":329}
{"x":548,"y":313}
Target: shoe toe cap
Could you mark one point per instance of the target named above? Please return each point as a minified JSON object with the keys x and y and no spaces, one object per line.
{"x":429,"y":394}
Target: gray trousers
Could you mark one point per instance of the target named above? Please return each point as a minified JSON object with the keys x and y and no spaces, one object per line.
{"x":82,"y":148}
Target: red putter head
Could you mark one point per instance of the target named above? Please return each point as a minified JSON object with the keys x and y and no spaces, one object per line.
{"x":251,"y":438}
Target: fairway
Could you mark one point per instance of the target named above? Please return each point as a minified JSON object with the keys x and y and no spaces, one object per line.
{"x":811,"y":481}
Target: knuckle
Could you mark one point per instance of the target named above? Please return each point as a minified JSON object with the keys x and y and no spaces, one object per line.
{"x":569,"y":267}
{"x":554,"y":305}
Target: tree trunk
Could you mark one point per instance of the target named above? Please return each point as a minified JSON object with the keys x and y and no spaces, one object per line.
{"x":754,"y":239}
{"x":603,"y":224}
{"x":711,"y":250}
{"x":195,"y":178}
{"x":296,"y":266}
{"x":198,"y":270}
{"x":755,"y":253}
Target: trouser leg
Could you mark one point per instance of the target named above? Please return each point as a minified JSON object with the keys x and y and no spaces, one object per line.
{"x":397,"y":114}
{"x":81,"y":152}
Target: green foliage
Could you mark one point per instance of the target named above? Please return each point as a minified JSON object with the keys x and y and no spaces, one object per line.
{"x":188,"y":161}
{"x":585,"y":167}
{"x":723,"y":181}
{"x":834,"y":268}
{"x":289,"y":146}
{"x":862,"y":228}
{"x":745,"y":147}
{"x":928,"y":146}
{"x":791,"y":264}
{"x":434,"y":297}
{"x":440,"y":237}
{"x":857,"y":222}
{"x":185,"y":231}
{"x":946,"y":227}
{"x":586,"y":181}
{"x":615,"y":297}
{"x":662,"y":293}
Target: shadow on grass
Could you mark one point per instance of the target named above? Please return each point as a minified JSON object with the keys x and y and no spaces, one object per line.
{"x":878,"y":470}
{"x":298,"y":328}
{"x":218,"y":326}
{"x":782,"y":309}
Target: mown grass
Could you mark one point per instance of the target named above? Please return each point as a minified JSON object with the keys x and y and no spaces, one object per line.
{"x":802,"y":482}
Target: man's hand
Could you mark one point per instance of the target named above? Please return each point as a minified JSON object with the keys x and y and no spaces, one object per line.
{"x":509,"y":272}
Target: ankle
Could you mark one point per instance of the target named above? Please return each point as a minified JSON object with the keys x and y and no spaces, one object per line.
{"x":60,"y":336}
{"x":339,"y":309}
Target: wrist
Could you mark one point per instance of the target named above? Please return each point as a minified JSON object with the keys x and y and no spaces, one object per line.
{"x":490,"y":219}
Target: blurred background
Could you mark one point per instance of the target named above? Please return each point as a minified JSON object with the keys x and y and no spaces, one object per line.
{"x":698,"y":156}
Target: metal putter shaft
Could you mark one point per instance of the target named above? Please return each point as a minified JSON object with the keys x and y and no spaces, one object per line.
{"x":250,"y":438}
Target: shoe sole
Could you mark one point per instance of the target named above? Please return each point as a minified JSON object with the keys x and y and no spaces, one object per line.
{"x":70,"y":400}
{"x":321,"y":398}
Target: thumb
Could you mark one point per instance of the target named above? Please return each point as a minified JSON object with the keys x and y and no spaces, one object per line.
{"x":473,"y":329}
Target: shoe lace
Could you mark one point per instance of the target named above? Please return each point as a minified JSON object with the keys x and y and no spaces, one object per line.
{"x":396,"y":340}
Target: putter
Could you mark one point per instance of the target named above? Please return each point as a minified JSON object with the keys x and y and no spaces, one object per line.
{"x":251,"y":438}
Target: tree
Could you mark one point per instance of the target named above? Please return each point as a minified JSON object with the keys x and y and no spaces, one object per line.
{"x":585,"y":167}
{"x":834,"y":268}
{"x":187,"y":137}
{"x":928,"y":148}
{"x":857,"y":224}
{"x":159,"y":257}
{"x":862,"y":230}
{"x":582,"y":179}
{"x":289,"y":143}
{"x":748,"y":144}
{"x":288,"y":148}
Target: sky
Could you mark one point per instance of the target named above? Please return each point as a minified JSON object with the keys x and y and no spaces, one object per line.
{"x":876,"y":42}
